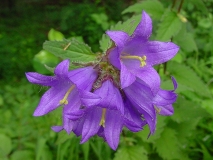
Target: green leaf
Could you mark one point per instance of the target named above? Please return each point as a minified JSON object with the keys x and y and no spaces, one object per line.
{"x":169,"y":26}
{"x":5,"y":145}
{"x":200,"y":5}
{"x":207,"y":105}
{"x":153,"y":7}
{"x":186,"y":110}
{"x":55,"y":35}
{"x":70,"y":49}
{"x":188,"y":78}
{"x":44,"y":58}
{"x":23,"y":154}
{"x":167,"y":145}
{"x":185,"y":40}
{"x":42,"y":150}
{"x":86,"y":149}
{"x":131,"y":153}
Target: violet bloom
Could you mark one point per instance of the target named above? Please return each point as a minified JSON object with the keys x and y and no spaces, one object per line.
{"x":66,"y":88}
{"x":107,"y":118}
{"x":147,"y":104}
{"x":135,"y":55}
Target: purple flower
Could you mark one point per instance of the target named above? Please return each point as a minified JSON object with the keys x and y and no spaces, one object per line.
{"x":135,"y":55}
{"x":107,"y":118}
{"x":66,"y":88}
{"x":147,"y":104}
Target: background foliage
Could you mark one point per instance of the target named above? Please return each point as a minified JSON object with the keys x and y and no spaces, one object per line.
{"x":185,"y":135}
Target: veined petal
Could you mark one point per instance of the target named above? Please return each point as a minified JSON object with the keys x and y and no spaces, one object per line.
{"x":165,"y":97}
{"x":91,"y":124}
{"x":111,"y":97}
{"x":67,"y":124}
{"x":159,"y":52}
{"x":141,"y":97}
{"x":114,"y":58}
{"x":144,"y":28}
{"x":127,"y":78}
{"x":150,"y":76}
{"x":113,"y":127}
{"x":119,"y":37}
{"x":151,"y":122}
{"x":62,"y":68}
{"x":132,"y":119}
{"x":40,"y":79}
{"x":50,"y":100}
{"x":75,"y":115}
{"x":78,"y":126}
{"x":89,"y":99}
{"x":166,"y":110}
{"x":83,"y":77}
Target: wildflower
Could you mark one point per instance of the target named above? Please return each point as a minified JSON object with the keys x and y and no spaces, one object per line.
{"x":64,"y":90}
{"x":135,"y":54}
{"x":147,"y":104}
{"x":107,"y":118}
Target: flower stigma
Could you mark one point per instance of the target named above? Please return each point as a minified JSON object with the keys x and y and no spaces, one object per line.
{"x":64,"y":100}
{"x":102,"y":122}
{"x":141,"y":59}
{"x":157,"y":109}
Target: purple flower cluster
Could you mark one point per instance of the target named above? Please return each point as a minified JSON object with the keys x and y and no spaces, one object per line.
{"x":121,"y":90}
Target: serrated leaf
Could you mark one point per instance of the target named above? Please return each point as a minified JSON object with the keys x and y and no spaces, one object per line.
{"x":167,"y":145}
{"x":169,"y":26}
{"x":185,"y":40}
{"x":70,"y":49}
{"x":131,"y":153}
{"x":186,"y":110}
{"x":187,"y":77}
{"x":153,"y":7}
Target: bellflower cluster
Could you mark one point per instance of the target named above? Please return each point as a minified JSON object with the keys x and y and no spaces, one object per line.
{"x":121,"y":90}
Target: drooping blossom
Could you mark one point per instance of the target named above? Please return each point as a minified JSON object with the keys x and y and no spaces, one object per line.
{"x":149,"y":105}
{"x":107,"y":118}
{"x":136,"y":54}
{"x":63,"y":89}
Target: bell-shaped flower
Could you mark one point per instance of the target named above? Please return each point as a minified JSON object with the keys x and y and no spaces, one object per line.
{"x":107,"y":118}
{"x":65,"y":88}
{"x":135,"y":55}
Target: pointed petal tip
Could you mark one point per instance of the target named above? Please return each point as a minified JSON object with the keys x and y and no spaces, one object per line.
{"x":174,"y":83}
{"x":57,"y":128}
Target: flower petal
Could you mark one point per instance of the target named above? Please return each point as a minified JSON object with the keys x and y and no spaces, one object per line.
{"x":114,"y":58}
{"x":111,"y":97}
{"x":40,"y":79}
{"x":113,"y":127}
{"x":140,"y":97}
{"x":57,"y":128}
{"x":159,"y":52}
{"x":91,"y":124}
{"x":50,"y":100}
{"x":151,"y":122}
{"x":164,"y":98}
{"x":83,"y":77}
{"x":127,"y":78}
{"x":132,"y":119}
{"x":150,"y":76}
{"x":166,"y":110}
{"x":119,"y":37}
{"x":62,"y":68}
{"x":89,"y":99}
{"x":144,"y":28}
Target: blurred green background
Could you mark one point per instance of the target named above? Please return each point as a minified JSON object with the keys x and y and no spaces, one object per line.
{"x":26,"y":24}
